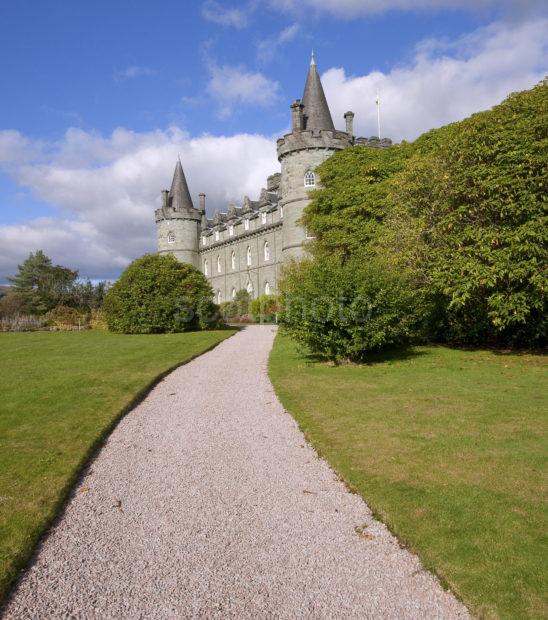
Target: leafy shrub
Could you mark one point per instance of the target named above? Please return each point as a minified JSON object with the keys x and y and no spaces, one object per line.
{"x":158,"y":294}
{"x":264,"y":308}
{"x":98,"y":320}
{"x":12,"y":304}
{"x":343,"y":312}
{"x":237,"y":310}
{"x":64,"y":317}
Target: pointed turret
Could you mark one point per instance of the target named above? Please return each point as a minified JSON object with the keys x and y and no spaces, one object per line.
{"x":316,"y":112}
{"x":179,"y":196}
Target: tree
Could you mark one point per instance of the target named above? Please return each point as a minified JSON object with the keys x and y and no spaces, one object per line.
{"x":157,"y":294}
{"x":42,"y":285}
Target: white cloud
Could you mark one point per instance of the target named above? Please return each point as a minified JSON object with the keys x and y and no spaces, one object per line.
{"x":347,"y":9}
{"x":231,"y":86}
{"x":108,"y":187}
{"x":16,"y":148}
{"x":225,"y":16}
{"x":444,"y":82}
{"x":134,"y":72}
{"x":268,"y":48}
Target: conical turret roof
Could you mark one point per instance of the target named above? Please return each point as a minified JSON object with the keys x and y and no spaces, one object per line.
{"x":179,"y":195}
{"x":315,"y":109}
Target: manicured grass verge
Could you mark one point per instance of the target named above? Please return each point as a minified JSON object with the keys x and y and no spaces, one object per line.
{"x":449,"y":449}
{"x":61,"y":393}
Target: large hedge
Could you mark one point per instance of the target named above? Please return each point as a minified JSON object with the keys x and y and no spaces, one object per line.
{"x":460,"y":215}
{"x":158,"y":294}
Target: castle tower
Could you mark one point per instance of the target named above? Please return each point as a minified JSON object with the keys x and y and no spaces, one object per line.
{"x":178,"y":222}
{"x":312,"y":140}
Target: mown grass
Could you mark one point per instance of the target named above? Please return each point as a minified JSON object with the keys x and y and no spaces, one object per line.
{"x":449,"y":449}
{"x":61,"y":393}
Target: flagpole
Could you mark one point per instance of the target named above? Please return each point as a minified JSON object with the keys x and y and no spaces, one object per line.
{"x":378,"y":102}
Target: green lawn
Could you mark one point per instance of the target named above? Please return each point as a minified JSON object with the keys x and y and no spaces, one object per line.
{"x":449,"y":448}
{"x":60,"y":394}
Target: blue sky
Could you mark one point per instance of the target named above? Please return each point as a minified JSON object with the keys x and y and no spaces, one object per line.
{"x":99,"y":97}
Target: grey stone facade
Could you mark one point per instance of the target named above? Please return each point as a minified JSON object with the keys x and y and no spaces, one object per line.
{"x":245,"y":247}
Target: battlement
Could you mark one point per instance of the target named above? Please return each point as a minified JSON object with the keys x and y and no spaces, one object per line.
{"x":313,"y":139}
{"x":169,"y":213}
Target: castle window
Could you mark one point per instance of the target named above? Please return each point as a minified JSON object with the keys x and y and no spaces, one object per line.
{"x":233,"y":260}
{"x":248,"y":256}
{"x":231,"y":230}
{"x":171,"y":237}
{"x":266,"y":249}
{"x":219,"y":264}
{"x":249,"y":288}
{"x":219,"y":297}
{"x":309,"y":179}
{"x":281,"y":212}
{"x":233,"y":294}
{"x":266,"y":288}
{"x":206,"y":267}
{"x":204,"y":240}
{"x":263,"y":218}
{"x":246,"y":223}
{"x":217,"y":235}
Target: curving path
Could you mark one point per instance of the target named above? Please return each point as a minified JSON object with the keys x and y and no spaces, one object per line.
{"x":207,"y":502}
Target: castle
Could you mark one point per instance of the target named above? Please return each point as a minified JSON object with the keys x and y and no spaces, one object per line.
{"x":245,"y":247}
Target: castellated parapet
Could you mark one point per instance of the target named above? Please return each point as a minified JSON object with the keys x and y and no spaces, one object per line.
{"x":245,"y":246}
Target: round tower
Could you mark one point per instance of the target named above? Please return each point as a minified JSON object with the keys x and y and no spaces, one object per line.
{"x":178,"y":222}
{"x":312,"y":140}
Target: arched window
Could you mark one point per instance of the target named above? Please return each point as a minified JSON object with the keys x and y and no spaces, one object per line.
{"x":231,"y":230}
{"x":171,"y":237}
{"x":266,"y":249}
{"x":249,"y":287}
{"x":204,"y":240}
{"x":233,"y":260}
{"x":219,"y":264}
{"x":248,"y":256}
{"x":309,"y":179}
{"x":206,"y":267}
{"x":219,"y":297}
{"x":246,"y":223}
{"x":216,"y":235}
{"x":266,"y":288}
{"x":233,"y":294}
{"x":263,"y":218}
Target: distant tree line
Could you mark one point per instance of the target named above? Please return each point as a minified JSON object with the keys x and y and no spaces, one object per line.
{"x":443,"y":239}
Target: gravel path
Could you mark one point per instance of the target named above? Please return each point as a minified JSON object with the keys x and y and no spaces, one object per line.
{"x":207,"y":502}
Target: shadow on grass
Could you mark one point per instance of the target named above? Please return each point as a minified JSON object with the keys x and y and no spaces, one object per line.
{"x":389,"y":356}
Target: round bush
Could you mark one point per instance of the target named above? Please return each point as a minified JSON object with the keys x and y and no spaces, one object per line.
{"x":158,"y":294}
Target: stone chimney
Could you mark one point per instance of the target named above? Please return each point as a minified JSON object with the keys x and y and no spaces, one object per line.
{"x":202,"y":198}
{"x":297,"y":115}
{"x":349,"y":118}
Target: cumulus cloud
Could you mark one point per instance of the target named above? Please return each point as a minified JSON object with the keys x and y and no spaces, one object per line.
{"x":444,"y":82}
{"x":268,"y":48}
{"x":347,"y":9}
{"x":230,"y":86}
{"x":225,"y":16}
{"x":107,"y":188}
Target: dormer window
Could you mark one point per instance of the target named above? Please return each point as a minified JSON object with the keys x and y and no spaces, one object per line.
{"x":309,"y":179}
{"x":217,"y":235}
{"x":231,"y":231}
{"x":171,"y":237}
{"x":246,"y":224}
{"x":263,"y":218}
